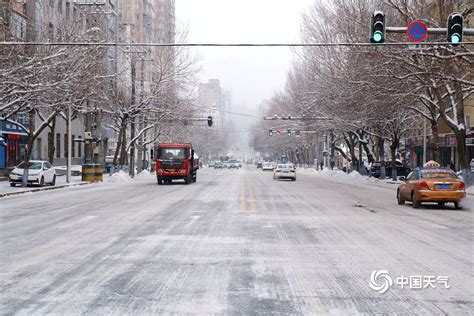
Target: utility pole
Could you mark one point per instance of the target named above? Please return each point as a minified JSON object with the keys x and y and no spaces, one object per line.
{"x":69,"y":144}
{"x":131,"y":172}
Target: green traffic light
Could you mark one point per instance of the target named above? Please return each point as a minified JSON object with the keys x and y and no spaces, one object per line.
{"x":455,"y":38}
{"x":378,"y":36}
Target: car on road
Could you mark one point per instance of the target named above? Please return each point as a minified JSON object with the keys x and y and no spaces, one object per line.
{"x":431,"y":184}
{"x":267,"y":166}
{"x":218,"y":165}
{"x":39,"y":173}
{"x":259,"y":164}
{"x":402,"y":170}
{"x":233,"y":164}
{"x":284,"y":171}
{"x":211,"y":164}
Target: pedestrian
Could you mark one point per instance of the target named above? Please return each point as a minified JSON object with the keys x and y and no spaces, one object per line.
{"x":451,"y":165}
{"x":332,"y":164}
{"x":321,"y":164}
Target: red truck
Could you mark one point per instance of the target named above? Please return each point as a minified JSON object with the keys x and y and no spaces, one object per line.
{"x":175,"y":162}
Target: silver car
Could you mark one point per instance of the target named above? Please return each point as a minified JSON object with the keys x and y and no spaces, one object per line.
{"x":284,"y":171}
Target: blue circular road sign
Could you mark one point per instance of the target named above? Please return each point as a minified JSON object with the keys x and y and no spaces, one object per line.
{"x":417,"y":31}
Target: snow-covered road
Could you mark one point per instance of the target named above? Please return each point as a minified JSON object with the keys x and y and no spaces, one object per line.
{"x":236,"y":242}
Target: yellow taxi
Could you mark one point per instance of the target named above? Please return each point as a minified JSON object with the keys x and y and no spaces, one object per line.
{"x":431,"y":184}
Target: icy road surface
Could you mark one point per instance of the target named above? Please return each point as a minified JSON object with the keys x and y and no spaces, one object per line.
{"x":236,"y":242}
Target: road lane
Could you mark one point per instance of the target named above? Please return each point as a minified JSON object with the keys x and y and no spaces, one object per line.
{"x":234,"y":242}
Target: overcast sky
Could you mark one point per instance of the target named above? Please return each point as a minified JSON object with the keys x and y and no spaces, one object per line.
{"x":251,"y":74}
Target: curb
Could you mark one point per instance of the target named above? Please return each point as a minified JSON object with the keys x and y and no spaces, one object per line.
{"x":45,"y":188}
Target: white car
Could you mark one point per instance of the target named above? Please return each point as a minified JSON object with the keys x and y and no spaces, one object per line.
{"x":267,"y":166}
{"x":284,"y":171}
{"x":39,"y":173}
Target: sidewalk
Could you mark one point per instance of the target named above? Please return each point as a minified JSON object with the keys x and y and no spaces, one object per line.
{"x":356,"y":178}
{"x":116,"y":178}
{"x":7,"y":190}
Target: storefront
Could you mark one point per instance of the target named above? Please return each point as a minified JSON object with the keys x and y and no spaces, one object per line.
{"x":12,"y":144}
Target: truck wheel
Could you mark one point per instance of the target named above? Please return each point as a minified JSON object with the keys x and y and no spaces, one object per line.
{"x":188,"y":180}
{"x":195,"y":178}
{"x":160,"y":181}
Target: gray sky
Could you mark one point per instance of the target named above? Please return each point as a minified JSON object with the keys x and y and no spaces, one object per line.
{"x":252,"y":74}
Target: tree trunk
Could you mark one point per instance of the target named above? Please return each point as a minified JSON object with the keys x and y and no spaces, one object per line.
{"x":380,"y":143}
{"x":51,"y":147}
{"x":435,"y":144}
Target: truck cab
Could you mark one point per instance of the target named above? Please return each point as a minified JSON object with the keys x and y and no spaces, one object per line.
{"x":176,"y":162}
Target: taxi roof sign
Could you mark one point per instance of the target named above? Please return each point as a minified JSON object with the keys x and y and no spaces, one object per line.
{"x":432,"y":164}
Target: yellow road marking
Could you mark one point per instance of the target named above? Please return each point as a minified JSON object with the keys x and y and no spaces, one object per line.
{"x":242,"y":197}
{"x":252,"y":200}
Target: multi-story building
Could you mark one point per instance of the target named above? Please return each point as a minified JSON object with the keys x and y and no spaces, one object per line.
{"x":13,"y":24}
{"x":215,"y":100}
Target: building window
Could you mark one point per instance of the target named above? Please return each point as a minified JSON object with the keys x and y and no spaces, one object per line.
{"x":73,"y":146}
{"x":79,"y":147}
{"x":58,"y":145}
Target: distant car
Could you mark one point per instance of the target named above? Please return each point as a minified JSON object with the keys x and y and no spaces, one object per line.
{"x":218,"y":165}
{"x":211,"y":164}
{"x":267,"y":166}
{"x":39,"y":173}
{"x":239,"y":163}
{"x":284,"y":171}
{"x":233,"y":164}
{"x":226,"y":164}
{"x":402,"y":170}
{"x":259,"y":164}
{"x":431,"y":184}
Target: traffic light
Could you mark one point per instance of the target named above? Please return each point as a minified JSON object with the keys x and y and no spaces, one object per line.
{"x":209,"y":121}
{"x":270,"y":133}
{"x":377,"y":27}
{"x":455,"y":28}
{"x":288,"y":132}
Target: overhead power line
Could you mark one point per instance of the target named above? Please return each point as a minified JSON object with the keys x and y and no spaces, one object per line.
{"x":224,"y":44}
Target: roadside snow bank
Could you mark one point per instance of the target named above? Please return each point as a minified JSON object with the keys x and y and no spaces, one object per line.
{"x":120,"y":177}
{"x":145,"y":174}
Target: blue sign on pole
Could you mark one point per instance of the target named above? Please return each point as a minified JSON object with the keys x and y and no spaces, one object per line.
{"x":417,"y":31}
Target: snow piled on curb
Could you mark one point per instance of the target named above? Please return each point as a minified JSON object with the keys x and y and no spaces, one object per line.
{"x":145,"y":174}
{"x":354,"y":176}
{"x":120,"y":177}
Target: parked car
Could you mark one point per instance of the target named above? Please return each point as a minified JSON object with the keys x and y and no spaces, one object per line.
{"x":259,"y":165}
{"x":267,"y":166}
{"x":39,"y":172}
{"x":284,"y":171}
{"x":402,"y":170}
{"x":211,"y":164}
{"x":218,"y":165}
{"x":431,"y":184}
